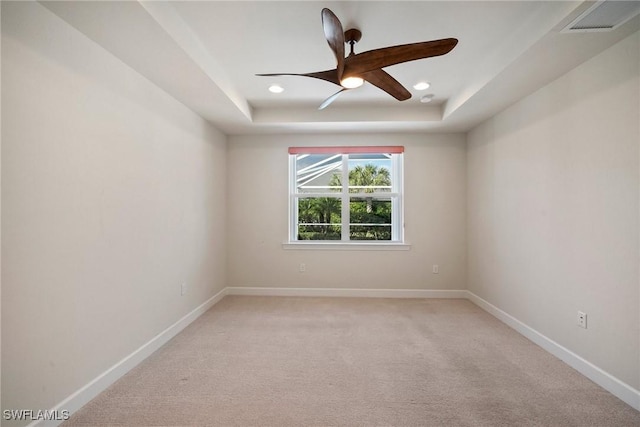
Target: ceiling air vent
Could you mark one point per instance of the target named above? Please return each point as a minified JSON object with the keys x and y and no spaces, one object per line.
{"x":604,"y":15}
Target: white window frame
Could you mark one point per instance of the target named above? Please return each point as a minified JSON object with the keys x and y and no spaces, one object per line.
{"x":396,"y":195}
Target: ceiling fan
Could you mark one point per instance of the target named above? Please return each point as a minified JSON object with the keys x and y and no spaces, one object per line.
{"x":352,"y":71}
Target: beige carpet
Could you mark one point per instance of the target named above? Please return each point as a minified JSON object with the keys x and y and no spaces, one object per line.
{"x":272,"y":361}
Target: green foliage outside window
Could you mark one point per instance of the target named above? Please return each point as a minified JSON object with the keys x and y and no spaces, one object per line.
{"x":370,"y":219}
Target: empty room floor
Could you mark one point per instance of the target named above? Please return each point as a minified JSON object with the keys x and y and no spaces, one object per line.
{"x":289,"y":361}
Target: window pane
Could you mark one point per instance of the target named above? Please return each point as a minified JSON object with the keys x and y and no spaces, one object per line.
{"x":370,"y":219}
{"x":318,"y":173}
{"x":319,"y":218}
{"x":323,"y":182}
{"x":369,"y":173}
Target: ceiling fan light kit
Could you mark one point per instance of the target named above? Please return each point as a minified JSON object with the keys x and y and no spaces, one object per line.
{"x":351,"y":82}
{"x":352,"y":71}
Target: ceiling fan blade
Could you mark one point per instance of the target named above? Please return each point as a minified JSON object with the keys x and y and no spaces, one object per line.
{"x":328,"y":75}
{"x":384,"y":81}
{"x":330,"y":99}
{"x":334,"y":34}
{"x":384,"y":57}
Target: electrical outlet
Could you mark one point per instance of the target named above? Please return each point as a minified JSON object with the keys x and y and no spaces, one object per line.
{"x":582,"y":319}
{"x":303,"y":267}
{"x":436,"y":269}
{"x":183,"y":288}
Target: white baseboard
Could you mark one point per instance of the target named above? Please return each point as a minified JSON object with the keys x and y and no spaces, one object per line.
{"x":111,"y":375}
{"x":81,"y":397}
{"x":621,"y":390}
{"x":338,"y":292}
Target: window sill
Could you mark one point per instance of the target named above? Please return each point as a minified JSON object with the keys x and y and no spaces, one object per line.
{"x":347,"y":246}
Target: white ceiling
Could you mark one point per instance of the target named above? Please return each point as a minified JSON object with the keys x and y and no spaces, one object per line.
{"x":206,"y":55}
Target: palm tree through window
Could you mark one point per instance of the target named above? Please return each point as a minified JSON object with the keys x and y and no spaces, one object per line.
{"x":350,"y":194}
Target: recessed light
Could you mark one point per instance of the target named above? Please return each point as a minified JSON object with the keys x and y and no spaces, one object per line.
{"x":421,"y":85}
{"x":276,"y":89}
{"x":426,"y":98}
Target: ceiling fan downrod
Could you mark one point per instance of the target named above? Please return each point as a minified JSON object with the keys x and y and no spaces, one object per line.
{"x":352,"y":37}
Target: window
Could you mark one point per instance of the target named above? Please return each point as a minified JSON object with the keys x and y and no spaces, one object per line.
{"x":345,"y":194}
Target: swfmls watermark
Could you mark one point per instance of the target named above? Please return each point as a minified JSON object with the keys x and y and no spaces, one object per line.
{"x":35,"y":415}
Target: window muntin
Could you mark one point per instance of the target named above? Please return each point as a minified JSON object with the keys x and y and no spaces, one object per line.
{"x":346,"y":194}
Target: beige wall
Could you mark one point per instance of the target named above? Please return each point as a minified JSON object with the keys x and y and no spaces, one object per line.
{"x":553,"y":210}
{"x":435,"y":197}
{"x":113,"y":193}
